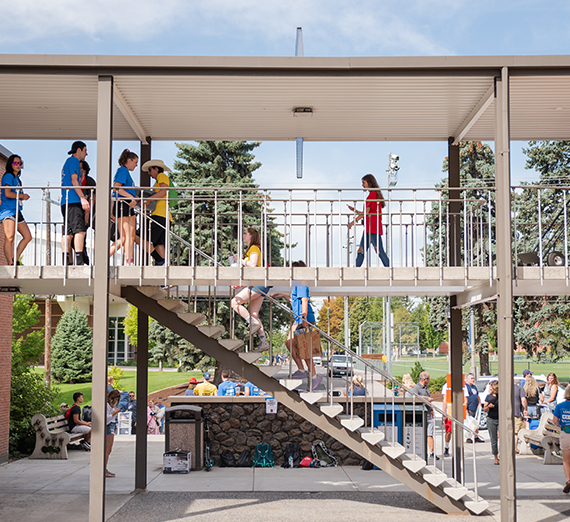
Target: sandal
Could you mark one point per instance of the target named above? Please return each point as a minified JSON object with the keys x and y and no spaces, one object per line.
{"x":108,"y":474}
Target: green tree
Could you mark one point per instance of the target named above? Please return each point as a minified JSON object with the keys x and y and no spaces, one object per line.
{"x":72,"y":349}
{"x":130,"y":323}
{"x":29,"y":393}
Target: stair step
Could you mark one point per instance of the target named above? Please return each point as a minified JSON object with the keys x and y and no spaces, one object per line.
{"x":174,"y":305}
{"x":250,"y":357}
{"x":434,"y":476}
{"x":392,"y":449}
{"x":270,"y":371}
{"x":311,"y":397}
{"x":231,"y":344}
{"x":193,"y":318}
{"x":476,"y":506}
{"x":456,"y":492}
{"x":154,"y":292}
{"x":371,"y":435}
{"x":290,"y":384}
{"x":212,"y":330}
{"x":351,"y":423}
{"x":412,"y":462}
{"x":332,"y":410}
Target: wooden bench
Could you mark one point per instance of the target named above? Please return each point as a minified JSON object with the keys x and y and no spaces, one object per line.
{"x":52,"y":437}
{"x":546,"y":437}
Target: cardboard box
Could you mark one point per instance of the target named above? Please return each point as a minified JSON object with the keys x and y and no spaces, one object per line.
{"x":176,"y":462}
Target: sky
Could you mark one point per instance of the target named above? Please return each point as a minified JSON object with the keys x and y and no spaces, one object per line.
{"x":262,"y":28}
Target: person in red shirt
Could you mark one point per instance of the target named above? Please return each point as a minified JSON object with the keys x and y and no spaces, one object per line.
{"x":372,"y":215}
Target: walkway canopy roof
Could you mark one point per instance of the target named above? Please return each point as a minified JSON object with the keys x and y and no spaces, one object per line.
{"x":253,"y":98}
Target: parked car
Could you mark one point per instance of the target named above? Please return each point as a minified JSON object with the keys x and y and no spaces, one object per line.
{"x":341,"y":366}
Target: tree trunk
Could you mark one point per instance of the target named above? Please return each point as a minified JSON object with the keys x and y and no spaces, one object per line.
{"x":484,"y":363}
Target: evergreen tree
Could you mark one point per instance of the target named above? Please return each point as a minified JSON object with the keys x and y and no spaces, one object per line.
{"x":72,"y":349}
{"x":29,"y":393}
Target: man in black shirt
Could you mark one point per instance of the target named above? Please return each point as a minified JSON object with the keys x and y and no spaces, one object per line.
{"x":76,"y":424}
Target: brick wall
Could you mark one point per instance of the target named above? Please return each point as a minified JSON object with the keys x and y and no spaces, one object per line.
{"x":5,"y":352}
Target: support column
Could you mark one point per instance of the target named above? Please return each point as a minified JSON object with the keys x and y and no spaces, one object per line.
{"x":142,"y":400}
{"x":456,"y":335}
{"x":101,"y":298}
{"x":145,"y":156}
{"x":504,"y":296}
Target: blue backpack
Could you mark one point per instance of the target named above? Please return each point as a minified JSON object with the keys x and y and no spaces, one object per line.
{"x":263,"y":456}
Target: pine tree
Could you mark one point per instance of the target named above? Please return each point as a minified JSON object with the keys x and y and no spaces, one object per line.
{"x":72,"y":349}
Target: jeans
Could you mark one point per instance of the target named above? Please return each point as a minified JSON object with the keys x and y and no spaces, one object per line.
{"x":376,"y":240}
{"x":493,"y":429}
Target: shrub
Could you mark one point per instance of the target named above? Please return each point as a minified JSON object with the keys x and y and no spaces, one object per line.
{"x":117,"y":374}
{"x":72,"y":349}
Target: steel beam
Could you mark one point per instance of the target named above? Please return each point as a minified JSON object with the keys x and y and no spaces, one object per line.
{"x":142,"y":400}
{"x":456,"y":331}
{"x":475,"y":114}
{"x":146,"y":155}
{"x":101,"y":298}
{"x":505,"y":297}
{"x":129,"y":115}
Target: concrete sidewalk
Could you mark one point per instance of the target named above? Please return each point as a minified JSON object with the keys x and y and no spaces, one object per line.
{"x":39,"y":490}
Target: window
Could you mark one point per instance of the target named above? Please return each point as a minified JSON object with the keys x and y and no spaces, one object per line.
{"x":119,"y":348}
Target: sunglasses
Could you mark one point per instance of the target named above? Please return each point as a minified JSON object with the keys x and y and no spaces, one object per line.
{"x":17,"y":163}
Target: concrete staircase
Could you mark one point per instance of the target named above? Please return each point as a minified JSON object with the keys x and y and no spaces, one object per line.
{"x":411,"y":470}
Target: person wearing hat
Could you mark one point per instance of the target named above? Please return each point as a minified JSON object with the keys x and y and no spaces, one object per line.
{"x":191,"y":385}
{"x":74,"y":204}
{"x":157,"y":170}
{"x":206,"y":387}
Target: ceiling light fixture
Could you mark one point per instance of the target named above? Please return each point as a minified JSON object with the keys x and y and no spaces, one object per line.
{"x":303,"y":112}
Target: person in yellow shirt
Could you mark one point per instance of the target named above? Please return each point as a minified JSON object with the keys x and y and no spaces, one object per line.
{"x":157,"y":170}
{"x":206,"y":387}
{"x":252,"y":294}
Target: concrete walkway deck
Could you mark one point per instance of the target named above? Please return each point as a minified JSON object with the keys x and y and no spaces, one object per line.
{"x":39,"y":490}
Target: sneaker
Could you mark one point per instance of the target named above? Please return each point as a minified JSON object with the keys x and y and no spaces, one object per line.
{"x":446,"y":452}
{"x":86,"y":446}
{"x":432,"y":456}
{"x":299,"y":374}
{"x":566,"y":488}
{"x":79,"y":259}
{"x":264,"y":346}
{"x":254,"y":325}
{"x":317,"y":379}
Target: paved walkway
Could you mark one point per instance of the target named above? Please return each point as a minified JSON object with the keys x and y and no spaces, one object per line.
{"x":39,"y":490}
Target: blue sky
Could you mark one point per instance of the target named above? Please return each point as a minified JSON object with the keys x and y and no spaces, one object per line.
{"x":252,"y":27}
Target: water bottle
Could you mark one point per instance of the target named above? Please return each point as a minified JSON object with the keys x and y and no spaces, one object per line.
{"x":290,"y":461}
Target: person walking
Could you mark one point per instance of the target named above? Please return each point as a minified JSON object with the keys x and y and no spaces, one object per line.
{"x":422,"y":389}
{"x":74,"y":204}
{"x":562,"y":418}
{"x":11,"y":210}
{"x":491,"y":407}
{"x":253,"y":295}
{"x":372,"y":215}
{"x":520,"y":407}
{"x":112,"y":402}
{"x":123,"y":207}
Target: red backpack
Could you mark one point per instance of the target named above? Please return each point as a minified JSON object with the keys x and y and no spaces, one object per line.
{"x":67,"y":414}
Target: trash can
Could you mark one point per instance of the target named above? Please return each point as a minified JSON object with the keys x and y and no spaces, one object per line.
{"x":184,"y":432}
{"x":388,"y":417}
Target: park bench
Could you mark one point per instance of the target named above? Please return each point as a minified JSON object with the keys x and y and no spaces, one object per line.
{"x":546,"y":438}
{"x":52,"y":437}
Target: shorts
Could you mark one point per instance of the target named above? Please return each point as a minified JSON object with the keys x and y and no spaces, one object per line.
{"x":121,"y":208}
{"x":564,"y":441}
{"x":75,"y":218}
{"x":80,"y":428}
{"x":158,"y":231}
{"x":447,"y":423}
{"x":472,"y":413}
{"x":518,"y":424}
{"x":263,"y":290}
{"x":111,"y":428}
{"x":13,"y":218}
{"x":430,"y":427}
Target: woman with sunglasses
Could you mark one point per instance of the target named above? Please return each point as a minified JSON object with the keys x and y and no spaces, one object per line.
{"x":11,"y":209}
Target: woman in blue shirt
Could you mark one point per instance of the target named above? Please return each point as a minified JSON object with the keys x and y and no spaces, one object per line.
{"x":123,"y":206}
{"x":11,"y":209}
{"x":562,"y":418}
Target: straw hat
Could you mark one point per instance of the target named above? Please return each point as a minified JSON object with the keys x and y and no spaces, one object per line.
{"x":154,"y":163}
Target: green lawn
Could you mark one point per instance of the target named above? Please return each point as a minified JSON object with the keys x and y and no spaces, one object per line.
{"x":439,"y":367}
{"x":156,"y":381}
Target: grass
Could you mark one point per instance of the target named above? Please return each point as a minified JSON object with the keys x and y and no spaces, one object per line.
{"x":156,"y":381}
{"x":439,"y":366}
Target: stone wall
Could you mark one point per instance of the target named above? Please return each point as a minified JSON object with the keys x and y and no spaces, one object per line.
{"x":237,"y":424}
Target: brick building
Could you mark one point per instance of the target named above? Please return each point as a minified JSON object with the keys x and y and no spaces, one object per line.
{"x":5,"y":343}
